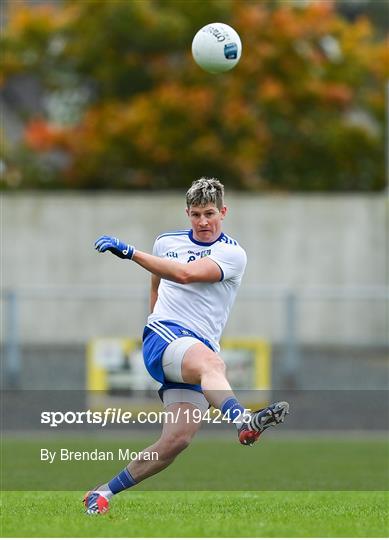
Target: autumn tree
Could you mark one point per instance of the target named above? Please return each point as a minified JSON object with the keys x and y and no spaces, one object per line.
{"x":126,"y":107}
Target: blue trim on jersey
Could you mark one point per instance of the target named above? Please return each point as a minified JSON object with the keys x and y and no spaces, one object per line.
{"x":221,"y":272}
{"x":157,"y":336}
{"x":183,"y":232}
{"x":204,"y":243}
{"x":189,"y":232}
{"x":227,"y":240}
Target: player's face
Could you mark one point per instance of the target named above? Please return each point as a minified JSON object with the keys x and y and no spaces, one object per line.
{"x":206,"y":222}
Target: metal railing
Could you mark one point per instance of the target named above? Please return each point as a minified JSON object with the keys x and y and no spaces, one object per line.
{"x":290,"y":299}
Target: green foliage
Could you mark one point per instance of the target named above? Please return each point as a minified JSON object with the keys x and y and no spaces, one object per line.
{"x":303,"y":110}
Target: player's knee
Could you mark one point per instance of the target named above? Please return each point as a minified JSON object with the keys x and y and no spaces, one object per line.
{"x":215,"y":364}
{"x":173,"y":445}
{"x":179,"y":443}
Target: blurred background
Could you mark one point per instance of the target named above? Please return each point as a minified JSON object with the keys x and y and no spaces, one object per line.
{"x":106,"y":120}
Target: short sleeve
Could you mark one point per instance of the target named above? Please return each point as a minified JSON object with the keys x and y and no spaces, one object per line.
{"x":231,"y":260}
{"x":157,"y":247}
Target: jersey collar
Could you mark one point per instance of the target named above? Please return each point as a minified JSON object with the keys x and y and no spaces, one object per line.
{"x":204,"y":243}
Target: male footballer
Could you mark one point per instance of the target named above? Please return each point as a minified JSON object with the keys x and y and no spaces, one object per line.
{"x":195,"y":275}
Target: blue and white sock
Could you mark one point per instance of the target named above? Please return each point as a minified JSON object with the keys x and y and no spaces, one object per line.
{"x":234,"y":409}
{"x":119,"y":483}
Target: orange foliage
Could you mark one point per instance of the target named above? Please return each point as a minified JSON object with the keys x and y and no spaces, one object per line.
{"x":41,"y":136}
{"x":271,"y":90}
{"x":44,"y":17}
{"x":156,"y":113}
{"x":337,"y":93}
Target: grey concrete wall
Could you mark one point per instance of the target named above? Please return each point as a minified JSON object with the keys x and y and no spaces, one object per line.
{"x":295,"y":241}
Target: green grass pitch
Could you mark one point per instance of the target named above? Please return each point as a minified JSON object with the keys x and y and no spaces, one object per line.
{"x":200,"y":514}
{"x":285,"y":487}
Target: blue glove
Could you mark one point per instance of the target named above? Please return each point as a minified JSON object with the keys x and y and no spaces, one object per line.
{"x":118,"y":248}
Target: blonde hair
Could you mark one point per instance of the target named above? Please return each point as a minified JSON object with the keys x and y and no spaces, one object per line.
{"x":205,"y":191}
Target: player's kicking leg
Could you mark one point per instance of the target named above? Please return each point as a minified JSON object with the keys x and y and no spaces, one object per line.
{"x":201,"y":365}
{"x":177,"y":434}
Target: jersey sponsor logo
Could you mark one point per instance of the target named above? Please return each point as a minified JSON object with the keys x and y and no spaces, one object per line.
{"x":202,"y":253}
{"x":193,"y":255}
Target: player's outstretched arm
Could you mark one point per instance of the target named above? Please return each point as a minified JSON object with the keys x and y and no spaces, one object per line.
{"x":202,"y":270}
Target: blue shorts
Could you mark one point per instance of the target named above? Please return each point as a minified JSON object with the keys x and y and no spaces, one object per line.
{"x":156,"y":337}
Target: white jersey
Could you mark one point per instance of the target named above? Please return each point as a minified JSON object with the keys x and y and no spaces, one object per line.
{"x":200,"y":307}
